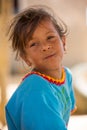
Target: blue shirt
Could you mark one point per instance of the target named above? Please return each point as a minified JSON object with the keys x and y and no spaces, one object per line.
{"x":41,"y":104}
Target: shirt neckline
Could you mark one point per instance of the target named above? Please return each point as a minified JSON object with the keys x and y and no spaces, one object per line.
{"x":49,"y":78}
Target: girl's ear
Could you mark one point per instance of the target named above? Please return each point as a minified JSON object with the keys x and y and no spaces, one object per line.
{"x":26,"y":60}
{"x":64,"y":43}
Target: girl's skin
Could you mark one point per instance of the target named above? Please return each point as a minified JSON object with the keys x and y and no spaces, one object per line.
{"x":45,"y":50}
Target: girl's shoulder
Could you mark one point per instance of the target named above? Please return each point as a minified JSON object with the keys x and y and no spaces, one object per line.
{"x":34,"y":79}
{"x":68,"y":75}
{"x":68,"y":72}
{"x":29,"y":84}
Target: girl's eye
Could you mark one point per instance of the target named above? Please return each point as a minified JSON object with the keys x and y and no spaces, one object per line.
{"x":33,"y":44}
{"x":50,"y":37}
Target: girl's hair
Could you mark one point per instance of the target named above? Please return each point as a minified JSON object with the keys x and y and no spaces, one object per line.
{"x":25,"y":23}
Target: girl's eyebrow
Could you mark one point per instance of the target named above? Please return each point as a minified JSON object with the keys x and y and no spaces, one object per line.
{"x":32,"y":38}
{"x":51,"y":31}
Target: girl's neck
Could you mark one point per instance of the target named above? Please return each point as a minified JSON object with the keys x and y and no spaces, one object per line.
{"x":56,"y":74}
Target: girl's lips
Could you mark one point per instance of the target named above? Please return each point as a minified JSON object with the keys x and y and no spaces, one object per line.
{"x":49,"y":56}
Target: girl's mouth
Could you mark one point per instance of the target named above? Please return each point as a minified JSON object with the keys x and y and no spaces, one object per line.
{"x":49,"y":56}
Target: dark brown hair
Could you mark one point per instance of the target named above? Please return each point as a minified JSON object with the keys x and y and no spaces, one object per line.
{"x":25,"y":23}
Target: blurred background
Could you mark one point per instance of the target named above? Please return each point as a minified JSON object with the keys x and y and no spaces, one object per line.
{"x":74,"y":14}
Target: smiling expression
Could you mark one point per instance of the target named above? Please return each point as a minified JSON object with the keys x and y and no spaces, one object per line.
{"x":45,"y":50}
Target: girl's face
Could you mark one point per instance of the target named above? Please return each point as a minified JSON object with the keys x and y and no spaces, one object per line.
{"x":44,"y":51}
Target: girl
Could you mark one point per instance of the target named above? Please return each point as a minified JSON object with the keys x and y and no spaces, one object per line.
{"x":45,"y":99}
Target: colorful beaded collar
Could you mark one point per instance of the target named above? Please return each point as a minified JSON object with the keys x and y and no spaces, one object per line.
{"x":50,"y":79}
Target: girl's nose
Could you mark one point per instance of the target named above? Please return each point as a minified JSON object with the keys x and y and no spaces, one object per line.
{"x":46,"y":47}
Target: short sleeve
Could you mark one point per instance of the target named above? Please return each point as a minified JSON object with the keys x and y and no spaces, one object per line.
{"x":40,"y":111}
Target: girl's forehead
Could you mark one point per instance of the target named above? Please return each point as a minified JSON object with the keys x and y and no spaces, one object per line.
{"x":45,"y":25}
